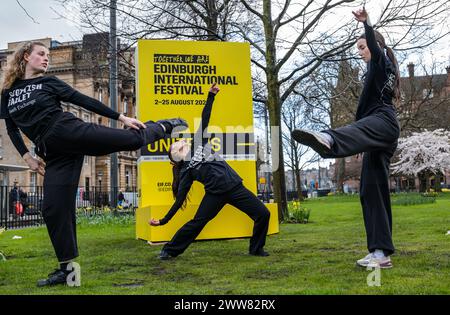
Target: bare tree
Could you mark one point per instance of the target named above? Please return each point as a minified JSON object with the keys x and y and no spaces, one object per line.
{"x":290,"y":39}
{"x":289,"y":58}
{"x":297,"y":157}
{"x":161,"y":19}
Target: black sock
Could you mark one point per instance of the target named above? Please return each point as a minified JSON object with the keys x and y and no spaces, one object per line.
{"x":63,"y":266}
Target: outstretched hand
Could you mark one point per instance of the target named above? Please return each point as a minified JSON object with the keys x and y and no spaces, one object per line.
{"x":131,"y":122}
{"x":154,"y":222}
{"x":34,"y":164}
{"x":214,"y":88}
{"x":361,"y":15}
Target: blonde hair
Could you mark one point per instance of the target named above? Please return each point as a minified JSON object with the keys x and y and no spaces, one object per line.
{"x":16,"y":66}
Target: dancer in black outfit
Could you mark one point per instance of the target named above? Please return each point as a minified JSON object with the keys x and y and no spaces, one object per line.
{"x":196,"y":161}
{"x":375,"y":133}
{"x":31,"y":102}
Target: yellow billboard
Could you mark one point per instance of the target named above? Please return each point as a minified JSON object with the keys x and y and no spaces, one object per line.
{"x":173,"y":79}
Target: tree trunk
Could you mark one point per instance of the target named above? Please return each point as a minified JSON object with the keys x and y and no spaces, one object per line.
{"x":296,"y":168}
{"x":437,"y":182}
{"x":212,"y":24}
{"x":279,"y":182}
{"x":299,"y":184}
{"x":340,"y":174}
{"x":274,"y":107}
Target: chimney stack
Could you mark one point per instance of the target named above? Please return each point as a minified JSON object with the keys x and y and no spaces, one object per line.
{"x":411,"y":69}
{"x":448,"y":75}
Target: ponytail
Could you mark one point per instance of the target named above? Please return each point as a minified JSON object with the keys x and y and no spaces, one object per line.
{"x":390,"y":53}
{"x":391,"y":56}
{"x":176,"y":171}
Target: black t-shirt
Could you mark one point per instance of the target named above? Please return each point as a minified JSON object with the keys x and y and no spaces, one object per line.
{"x":379,"y":80}
{"x":30,"y":105}
{"x":204,"y":166}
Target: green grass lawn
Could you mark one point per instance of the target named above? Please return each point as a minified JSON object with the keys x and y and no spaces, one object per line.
{"x":314,"y":258}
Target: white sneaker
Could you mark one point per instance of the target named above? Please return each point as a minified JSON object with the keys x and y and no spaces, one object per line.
{"x":363,"y":262}
{"x":382,"y":263}
{"x":318,"y":141}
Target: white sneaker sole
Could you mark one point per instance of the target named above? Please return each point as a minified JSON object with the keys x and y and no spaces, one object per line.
{"x":385,"y":265}
{"x":362,"y":263}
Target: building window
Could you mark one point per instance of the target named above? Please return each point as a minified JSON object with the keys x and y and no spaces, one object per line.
{"x":125,"y":105}
{"x":100,"y":95}
{"x":87,"y":118}
{"x":87,"y":184}
{"x":33,"y":182}
{"x":99,"y":120}
{"x":33,"y":150}
{"x":86,"y":159}
{"x":127,"y":178}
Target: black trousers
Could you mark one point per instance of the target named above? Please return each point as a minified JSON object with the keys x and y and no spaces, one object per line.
{"x":239,"y":197}
{"x":376,"y":136}
{"x":63,"y":150}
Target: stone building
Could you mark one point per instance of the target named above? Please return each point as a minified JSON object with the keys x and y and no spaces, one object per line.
{"x":84,"y":66}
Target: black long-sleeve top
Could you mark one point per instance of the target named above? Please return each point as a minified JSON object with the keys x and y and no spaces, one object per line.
{"x":379,"y":80}
{"x":204,"y":166}
{"x":31,"y":104}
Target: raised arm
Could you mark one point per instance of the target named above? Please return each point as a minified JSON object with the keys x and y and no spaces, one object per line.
{"x":375,"y":50}
{"x":66,"y":93}
{"x":206,"y":115}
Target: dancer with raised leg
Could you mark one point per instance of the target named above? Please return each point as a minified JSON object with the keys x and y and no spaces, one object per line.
{"x":375,"y":132}
{"x":31,"y":102}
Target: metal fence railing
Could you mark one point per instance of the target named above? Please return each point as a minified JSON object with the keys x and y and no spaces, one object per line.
{"x":21,"y":206}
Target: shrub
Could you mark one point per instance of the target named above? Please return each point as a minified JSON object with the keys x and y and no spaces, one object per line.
{"x":105,"y":218}
{"x":297,"y":213}
{"x":409,"y":199}
{"x":90,"y":211}
{"x":430,"y":194}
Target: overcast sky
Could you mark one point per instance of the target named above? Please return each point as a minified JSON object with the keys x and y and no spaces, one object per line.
{"x":15,"y":25}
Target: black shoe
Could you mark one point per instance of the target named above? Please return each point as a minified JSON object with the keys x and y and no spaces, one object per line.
{"x":312,"y":139}
{"x":261,"y":253}
{"x":170,"y":124}
{"x":163,"y":255}
{"x":56,"y":277}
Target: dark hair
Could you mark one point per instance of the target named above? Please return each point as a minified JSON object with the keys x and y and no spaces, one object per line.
{"x":390,"y":53}
{"x":176,"y":171}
